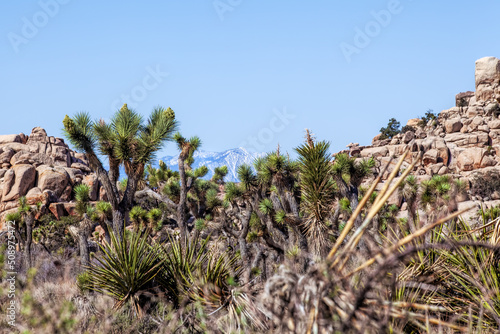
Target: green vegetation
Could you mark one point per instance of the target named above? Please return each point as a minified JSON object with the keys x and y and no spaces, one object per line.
{"x":295,"y":246}
{"x":127,"y":141}
{"x":392,"y":129}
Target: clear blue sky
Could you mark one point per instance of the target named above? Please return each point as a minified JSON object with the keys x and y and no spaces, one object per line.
{"x":231,"y":68}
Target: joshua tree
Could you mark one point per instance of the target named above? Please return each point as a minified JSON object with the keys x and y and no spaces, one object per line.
{"x":200,"y":198}
{"x":24,"y":220}
{"x":84,"y":209}
{"x":317,"y":190}
{"x":187,"y":148}
{"x":408,"y":189}
{"x":438,"y":197}
{"x":348,"y":175}
{"x":138,"y":217}
{"x":126,"y":141}
{"x":279,"y":177}
{"x":219,"y":174}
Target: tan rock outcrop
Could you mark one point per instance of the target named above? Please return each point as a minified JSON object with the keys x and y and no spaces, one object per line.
{"x":453,"y":125}
{"x":487,"y":79}
{"x":474,"y":158}
{"x":17,"y":182}
{"x":43,"y":169}
{"x":52,"y":178}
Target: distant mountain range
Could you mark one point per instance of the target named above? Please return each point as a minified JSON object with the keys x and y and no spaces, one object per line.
{"x":231,"y":158}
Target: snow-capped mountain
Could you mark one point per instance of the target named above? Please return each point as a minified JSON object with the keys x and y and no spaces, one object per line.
{"x":231,"y":158}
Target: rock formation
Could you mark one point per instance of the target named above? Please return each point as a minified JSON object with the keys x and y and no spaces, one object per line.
{"x":462,"y":141}
{"x":43,"y":169}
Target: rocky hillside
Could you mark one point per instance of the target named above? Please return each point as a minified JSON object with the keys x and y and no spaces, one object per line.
{"x":463,"y":141}
{"x":43,"y":169}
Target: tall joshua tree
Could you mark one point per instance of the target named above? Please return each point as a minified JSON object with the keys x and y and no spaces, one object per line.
{"x":187,"y":148}
{"x":127,"y":141}
{"x":317,"y":190}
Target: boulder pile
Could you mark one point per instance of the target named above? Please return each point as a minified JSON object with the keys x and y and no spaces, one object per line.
{"x":44,"y":169}
{"x":462,"y":141}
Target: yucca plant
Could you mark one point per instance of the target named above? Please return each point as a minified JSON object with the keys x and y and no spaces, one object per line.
{"x":126,"y":270}
{"x":463,"y":268}
{"x":317,"y":190}
{"x":210,"y":279}
{"x":200,"y":275}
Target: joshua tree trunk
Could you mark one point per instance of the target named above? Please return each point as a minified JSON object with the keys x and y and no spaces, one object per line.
{"x":335,"y":220}
{"x":27,"y":247}
{"x":118,"y":222}
{"x":412,"y":215}
{"x":181,"y":208}
{"x":242,"y":242}
{"x":83,"y":234}
{"x":354,"y":201}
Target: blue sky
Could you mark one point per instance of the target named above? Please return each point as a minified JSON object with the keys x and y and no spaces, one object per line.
{"x":240,"y":72}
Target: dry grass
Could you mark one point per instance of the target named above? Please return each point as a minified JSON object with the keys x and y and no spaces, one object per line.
{"x":435,"y":280}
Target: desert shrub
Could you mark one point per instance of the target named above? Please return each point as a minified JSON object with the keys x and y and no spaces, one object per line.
{"x":392,"y":129}
{"x":52,"y":233}
{"x":407,"y":128}
{"x":429,"y":115}
{"x":485,"y":184}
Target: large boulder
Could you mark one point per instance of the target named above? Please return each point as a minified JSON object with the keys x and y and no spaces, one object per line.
{"x":4,"y":139}
{"x":440,"y":151}
{"x":453,"y":125}
{"x":57,"y":209}
{"x":52,"y":178}
{"x":6,"y":155}
{"x":408,"y":136}
{"x":414,"y":122}
{"x":487,"y":79}
{"x":492,"y":109}
{"x":375,"y":152}
{"x":37,"y":159}
{"x":467,"y":139}
{"x":16,"y":147}
{"x":35,"y":195}
{"x":474,"y":158}
{"x":75,"y":175}
{"x":17,"y":181}
{"x":494,"y":124}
